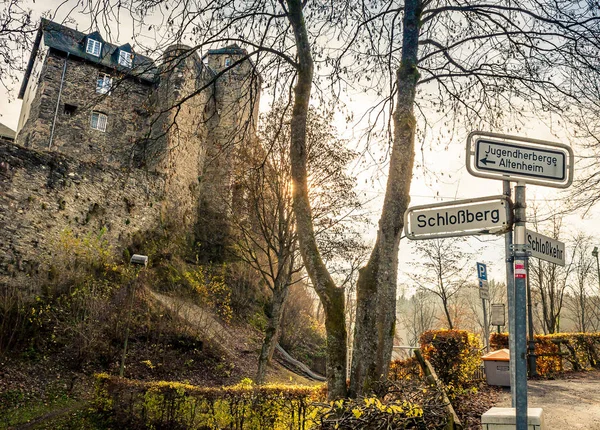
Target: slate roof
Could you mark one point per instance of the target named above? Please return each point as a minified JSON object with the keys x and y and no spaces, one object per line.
{"x":7,"y":132}
{"x":231,"y":49}
{"x":73,"y":42}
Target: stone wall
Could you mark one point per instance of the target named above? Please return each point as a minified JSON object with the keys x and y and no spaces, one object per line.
{"x":127,"y":106}
{"x":181,"y":127}
{"x":44,"y":194}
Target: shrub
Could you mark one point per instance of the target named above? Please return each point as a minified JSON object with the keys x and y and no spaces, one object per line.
{"x":210,"y":286}
{"x":498,"y":341}
{"x":404,"y":369}
{"x":403,"y":404}
{"x":172,"y":405}
{"x":454,"y":354}
{"x":583,"y":350}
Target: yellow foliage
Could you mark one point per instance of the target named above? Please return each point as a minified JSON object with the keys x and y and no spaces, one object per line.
{"x":172,"y":404}
{"x":583,"y":351}
{"x":209,"y":284}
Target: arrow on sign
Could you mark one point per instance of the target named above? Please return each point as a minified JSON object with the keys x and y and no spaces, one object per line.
{"x":486,"y":161}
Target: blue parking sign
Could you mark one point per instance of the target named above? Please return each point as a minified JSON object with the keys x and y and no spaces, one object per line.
{"x":482,"y":272}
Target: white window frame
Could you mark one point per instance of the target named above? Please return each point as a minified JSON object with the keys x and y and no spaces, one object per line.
{"x":103,"y":83}
{"x":93,"y":47}
{"x":125,"y":58}
{"x":227,"y":61}
{"x":98,"y":121}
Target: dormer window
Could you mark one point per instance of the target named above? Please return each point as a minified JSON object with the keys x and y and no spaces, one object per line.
{"x":93,"y":47}
{"x":125,"y":58}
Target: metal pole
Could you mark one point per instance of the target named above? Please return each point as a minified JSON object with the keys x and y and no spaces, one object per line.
{"x":486,"y":327}
{"x":510,"y":295}
{"x":520,"y":304}
{"x":62,"y":82}
{"x":531,"y":355}
{"x":595,"y":254}
{"x":131,"y":295}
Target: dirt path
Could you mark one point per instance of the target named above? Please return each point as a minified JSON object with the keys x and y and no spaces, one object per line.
{"x":237,"y":347}
{"x":570,"y":403}
{"x":199,"y":318}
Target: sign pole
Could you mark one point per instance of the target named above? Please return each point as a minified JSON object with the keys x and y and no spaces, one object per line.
{"x":520,"y":328}
{"x":486,"y":327}
{"x":484,"y":293}
{"x":510,"y":293}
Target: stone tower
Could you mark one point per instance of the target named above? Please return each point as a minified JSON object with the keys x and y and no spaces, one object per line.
{"x":233,"y":130}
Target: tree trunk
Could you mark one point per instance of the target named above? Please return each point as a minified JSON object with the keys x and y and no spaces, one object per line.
{"x":447,"y":312}
{"x":273,"y":330}
{"x":331,"y":297}
{"x":376,"y":288}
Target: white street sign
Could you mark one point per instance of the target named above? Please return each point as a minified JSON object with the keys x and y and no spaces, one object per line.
{"x":484,"y":290}
{"x":546,"y":248}
{"x":519,"y":159}
{"x":498,"y":314}
{"x":486,"y":215}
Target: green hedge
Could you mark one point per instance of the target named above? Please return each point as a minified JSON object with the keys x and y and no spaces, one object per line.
{"x":583,"y":349}
{"x":172,"y":405}
{"x":454,"y":354}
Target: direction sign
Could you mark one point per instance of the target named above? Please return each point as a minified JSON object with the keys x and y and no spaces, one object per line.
{"x":533,"y":161}
{"x":546,"y":248}
{"x":482,"y":272}
{"x":485,"y":215}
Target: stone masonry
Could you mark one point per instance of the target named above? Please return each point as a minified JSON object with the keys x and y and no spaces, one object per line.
{"x":166,"y":157}
{"x":45,"y":194}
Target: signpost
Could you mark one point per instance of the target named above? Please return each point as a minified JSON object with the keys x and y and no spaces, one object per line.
{"x":486,"y":215}
{"x":507,"y":158}
{"x":484,"y":294}
{"x":525,"y":160}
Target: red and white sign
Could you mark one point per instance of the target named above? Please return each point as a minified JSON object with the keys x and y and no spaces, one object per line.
{"x":520,"y":271}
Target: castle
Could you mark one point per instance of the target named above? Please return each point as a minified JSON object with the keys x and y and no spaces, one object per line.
{"x":109,"y":139}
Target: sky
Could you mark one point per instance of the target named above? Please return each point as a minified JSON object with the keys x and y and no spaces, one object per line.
{"x":447,"y":178}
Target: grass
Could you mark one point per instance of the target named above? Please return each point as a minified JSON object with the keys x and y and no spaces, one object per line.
{"x":27,"y":415}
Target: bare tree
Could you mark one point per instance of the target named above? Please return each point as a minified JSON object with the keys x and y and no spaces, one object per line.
{"x":266,"y":229}
{"x":418,"y":315}
{"x":478,"y":64}
{"x":550,"y":281}
{"x":16,"y":31}
{"x":582,"y":302}
{"x":443,"y":273}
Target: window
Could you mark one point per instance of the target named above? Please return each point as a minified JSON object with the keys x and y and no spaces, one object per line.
{"x":99,"y":121}
{"x":70,"y":109}
{"x":93,"y":47}
{"x":103,"y":84}
{"x":227,"y":62}
{"x":125,"y":58}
